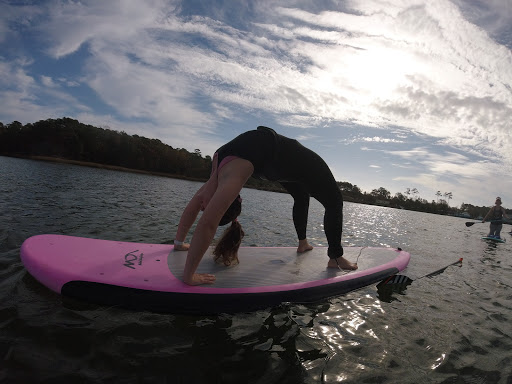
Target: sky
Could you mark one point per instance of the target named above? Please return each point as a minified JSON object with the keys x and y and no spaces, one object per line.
{"x":391,"y":93}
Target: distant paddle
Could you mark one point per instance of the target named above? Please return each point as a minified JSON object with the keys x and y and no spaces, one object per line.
{"x":470,"y":223}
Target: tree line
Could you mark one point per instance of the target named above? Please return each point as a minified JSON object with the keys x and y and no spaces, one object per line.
{"x":382,"y":196}
{"x":69,"y":139}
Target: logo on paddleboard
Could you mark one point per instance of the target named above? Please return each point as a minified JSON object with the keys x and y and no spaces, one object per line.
{"x":132,"y":259}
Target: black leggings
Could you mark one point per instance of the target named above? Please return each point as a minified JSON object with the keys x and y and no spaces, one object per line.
{"x":312,"y":178}
{"x":333,"y":217}
{"x":300,"y":171}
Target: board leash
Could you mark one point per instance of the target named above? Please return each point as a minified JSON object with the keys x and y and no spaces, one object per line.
{"x":349,"y":270}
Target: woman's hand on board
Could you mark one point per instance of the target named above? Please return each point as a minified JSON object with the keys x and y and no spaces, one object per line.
{"x":200,"y":278}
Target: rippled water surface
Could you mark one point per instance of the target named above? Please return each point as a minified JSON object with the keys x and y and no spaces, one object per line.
{"x":452,"y":328}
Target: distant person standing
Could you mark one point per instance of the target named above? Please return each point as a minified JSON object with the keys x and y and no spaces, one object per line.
{"x":495,"y":215}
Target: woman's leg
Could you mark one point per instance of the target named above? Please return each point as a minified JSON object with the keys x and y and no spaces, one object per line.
{"x":497,"y":231}
{"x":300,"y":213}
{"x":330,"y":197}
{"x":323,"y":187}
{"x":310,"y":171}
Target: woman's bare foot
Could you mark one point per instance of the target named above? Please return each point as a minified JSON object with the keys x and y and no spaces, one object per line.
{"x":343,"y":264}
{"x":181,"y":247}
{"x":304,"y":246}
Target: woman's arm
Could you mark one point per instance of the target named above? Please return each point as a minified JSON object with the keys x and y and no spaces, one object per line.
{"x":488,"y":214}
{"x":231,"y":179}
{"x":196,"y":204}
{"x":188,"y":217}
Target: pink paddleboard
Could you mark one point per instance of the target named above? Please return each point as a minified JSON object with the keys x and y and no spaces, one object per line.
{"x":148,"y":276}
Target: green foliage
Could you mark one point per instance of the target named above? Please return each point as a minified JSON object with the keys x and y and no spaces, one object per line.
{"x":69,"y":139}
{"x":475,"y":211}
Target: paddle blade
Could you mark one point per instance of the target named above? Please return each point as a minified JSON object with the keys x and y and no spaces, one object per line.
{"x":391,"y":285}
{"x":395,"y":280}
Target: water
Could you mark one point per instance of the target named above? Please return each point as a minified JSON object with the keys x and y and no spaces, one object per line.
{"x":453,"y":328}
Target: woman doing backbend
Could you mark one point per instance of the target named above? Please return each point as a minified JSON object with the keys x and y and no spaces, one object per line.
{"x":261,"y":153}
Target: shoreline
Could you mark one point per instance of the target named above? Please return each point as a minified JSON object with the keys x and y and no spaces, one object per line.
{"x":61,"y":160}
{"x":106,"y":166}
{"x":162,"y":174}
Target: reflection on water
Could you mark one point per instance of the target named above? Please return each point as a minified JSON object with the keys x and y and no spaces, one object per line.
{"x":453,"y":328}
{"x":392,"y":292}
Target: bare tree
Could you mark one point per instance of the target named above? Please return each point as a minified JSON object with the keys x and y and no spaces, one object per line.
{"x":449,"y":196}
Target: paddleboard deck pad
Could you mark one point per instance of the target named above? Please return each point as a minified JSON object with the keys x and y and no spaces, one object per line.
{"x":497,"y":240}
{"x":149,"y":276}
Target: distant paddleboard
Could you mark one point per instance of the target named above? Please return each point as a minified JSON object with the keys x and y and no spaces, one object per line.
{"x":494,"y":239}
{"x":149,"y":276}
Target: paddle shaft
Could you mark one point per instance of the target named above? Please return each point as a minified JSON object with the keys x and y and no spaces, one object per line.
{"x":441,"y":269}
{"x":470,"y":223}
{"x":401,"y":279}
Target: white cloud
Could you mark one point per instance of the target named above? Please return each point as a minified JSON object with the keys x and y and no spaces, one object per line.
{"x":47,"y":81}
{"x":373,"y":139}
{"x":369,"y":67}
{"x":25,"y":99}
{"x":494,"y":16}
{"x":444,"y":164}
{"x":71,"y":24}
{"x":399,"y":66}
